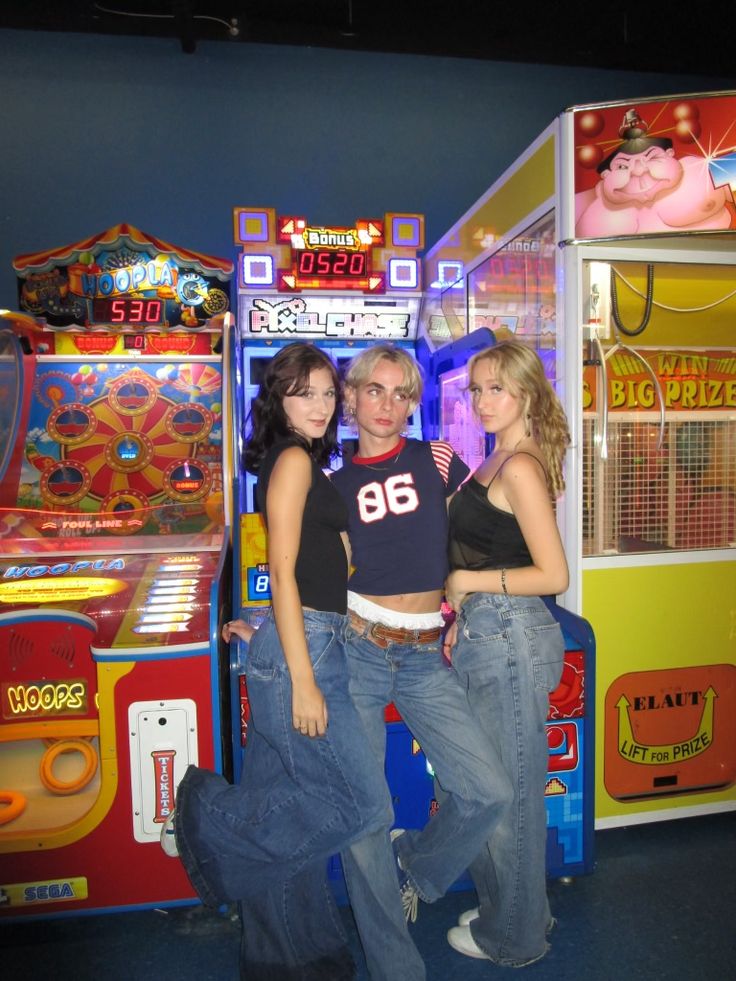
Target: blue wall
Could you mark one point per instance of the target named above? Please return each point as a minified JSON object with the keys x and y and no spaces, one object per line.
{"x":96,"y":130}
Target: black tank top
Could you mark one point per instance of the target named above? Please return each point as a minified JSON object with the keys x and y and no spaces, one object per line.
{"x":321,"y":565}
{"x":483,"y":536}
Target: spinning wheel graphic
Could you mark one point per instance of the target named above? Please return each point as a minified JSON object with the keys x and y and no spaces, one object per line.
{"x":129,"y":449}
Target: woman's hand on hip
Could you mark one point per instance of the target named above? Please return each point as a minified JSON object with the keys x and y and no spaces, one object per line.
{"x":308,"y":710}
{"x":449,"y":639}
{"x":455,"y":591}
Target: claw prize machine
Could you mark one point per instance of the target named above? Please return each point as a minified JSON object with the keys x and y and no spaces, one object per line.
{"x":113,"y":574}
{"x":610,"y":246}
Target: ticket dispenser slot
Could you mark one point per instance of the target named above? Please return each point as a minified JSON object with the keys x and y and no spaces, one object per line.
{"x":163,"y":743}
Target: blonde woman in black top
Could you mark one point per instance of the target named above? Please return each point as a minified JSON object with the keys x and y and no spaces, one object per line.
{"x":505,"y":553}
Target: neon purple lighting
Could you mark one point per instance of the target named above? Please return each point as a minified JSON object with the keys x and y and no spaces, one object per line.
{"x":253,"y":226}
{"x":403,"y":274}
{"x":405,"y":232}
{"x":257,"y":270}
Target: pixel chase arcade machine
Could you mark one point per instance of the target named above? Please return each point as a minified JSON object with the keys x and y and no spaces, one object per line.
{"x":341,"y":288}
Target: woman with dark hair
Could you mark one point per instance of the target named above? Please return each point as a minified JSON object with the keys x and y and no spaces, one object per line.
{"x":505,"y":554}
{"x":309,"y":787}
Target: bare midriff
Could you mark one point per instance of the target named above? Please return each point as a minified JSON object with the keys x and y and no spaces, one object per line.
{"x":428,"y":602}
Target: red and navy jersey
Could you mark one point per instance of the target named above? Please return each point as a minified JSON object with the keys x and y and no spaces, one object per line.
{"x":397,"y":516}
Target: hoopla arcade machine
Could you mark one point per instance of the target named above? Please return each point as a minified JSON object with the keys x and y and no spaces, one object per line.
{"x":610,"y":246}
{"x":113,"y":538}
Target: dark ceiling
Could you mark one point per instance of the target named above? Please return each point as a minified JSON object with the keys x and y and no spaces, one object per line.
{"x":678,"y":39}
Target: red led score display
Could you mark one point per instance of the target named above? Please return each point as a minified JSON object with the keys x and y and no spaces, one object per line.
{"x":134,"y":342}
{"x":128,"y":310}
{"x":327,"y":264}
{"x":338,"y":268}
{"x":337,"y":258}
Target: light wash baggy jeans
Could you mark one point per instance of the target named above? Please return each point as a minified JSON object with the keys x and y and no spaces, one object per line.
{"x":265,"y":842}
{"x":435,"y":707}
{"x":509,"y":656}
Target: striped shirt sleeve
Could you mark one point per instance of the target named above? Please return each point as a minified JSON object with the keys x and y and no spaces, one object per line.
{"x":452,"y":469}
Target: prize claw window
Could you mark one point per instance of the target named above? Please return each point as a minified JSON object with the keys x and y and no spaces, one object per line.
{"x":659,"y":407}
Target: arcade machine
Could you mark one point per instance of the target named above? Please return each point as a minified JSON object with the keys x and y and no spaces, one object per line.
{"x":609,"y":246}
{"x":342,"y":288}
{"x":113,"y":540}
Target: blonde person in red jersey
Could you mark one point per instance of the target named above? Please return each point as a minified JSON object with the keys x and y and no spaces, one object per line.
{"x":396,"y":490}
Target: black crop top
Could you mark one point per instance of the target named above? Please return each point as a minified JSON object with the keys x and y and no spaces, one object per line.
{"x":483,"y":536}
{"x":322,"y":564}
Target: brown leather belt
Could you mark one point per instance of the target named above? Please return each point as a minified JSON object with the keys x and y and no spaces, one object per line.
{"x":382,"y":636}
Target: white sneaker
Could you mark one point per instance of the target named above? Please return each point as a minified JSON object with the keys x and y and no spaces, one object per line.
{"x":461,"y":940}
{"x":396,"y":833}
{"x":466,"y":918}
{"x":409,"y":895}
{"x":410,"y":902}
{"x":168,"y":837}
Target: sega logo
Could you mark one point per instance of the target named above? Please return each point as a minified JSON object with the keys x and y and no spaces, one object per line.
{"x":48,"y":892}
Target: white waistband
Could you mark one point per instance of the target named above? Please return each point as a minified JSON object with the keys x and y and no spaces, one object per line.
{"x":392,"y":618}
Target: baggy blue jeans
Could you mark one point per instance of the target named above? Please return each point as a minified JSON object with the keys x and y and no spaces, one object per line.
{"x":509,"y":656}
{"x":265,"y":843}
{"x":435,"y":707}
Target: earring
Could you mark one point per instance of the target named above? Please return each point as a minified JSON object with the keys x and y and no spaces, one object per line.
{"x":527,"y":424}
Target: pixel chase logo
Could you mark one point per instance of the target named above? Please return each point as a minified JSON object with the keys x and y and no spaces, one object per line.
{"x":292,"y":317}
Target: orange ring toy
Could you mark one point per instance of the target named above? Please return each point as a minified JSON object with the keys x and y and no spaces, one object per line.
{"x":15,"y":805}
{"x":50,"y":740}
{"x":48,"y":779}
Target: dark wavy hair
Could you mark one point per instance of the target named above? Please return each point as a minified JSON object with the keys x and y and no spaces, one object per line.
{"x":287,"y":373}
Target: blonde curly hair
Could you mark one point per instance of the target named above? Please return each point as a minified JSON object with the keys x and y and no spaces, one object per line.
{"x":520,"y":370}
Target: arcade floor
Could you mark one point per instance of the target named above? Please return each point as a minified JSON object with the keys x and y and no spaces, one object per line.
{"x":660,"y":905}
